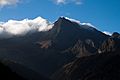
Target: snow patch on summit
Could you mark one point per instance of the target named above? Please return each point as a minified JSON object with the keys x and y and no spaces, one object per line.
{"x":77,"y":21}
{"x":73,"y":20}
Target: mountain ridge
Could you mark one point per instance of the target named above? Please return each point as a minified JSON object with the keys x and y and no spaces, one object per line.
{"x":47,"y":51}
{"x":103,"y":66}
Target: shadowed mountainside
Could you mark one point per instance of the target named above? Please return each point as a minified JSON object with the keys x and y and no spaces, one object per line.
{"x":11,"y":70}
{"x":103,"y":66}
{"x":7,"y":74}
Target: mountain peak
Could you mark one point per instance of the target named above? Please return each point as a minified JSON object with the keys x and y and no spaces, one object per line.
{"x":62,"y":22}
{"x":62,"y":19}
{"x":69,"y":19}
{"x":73,"y":23}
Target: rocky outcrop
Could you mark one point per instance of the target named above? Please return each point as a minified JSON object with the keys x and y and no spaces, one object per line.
{"x":104,"y":66}
{"x":116,"y":35}
{"x":111,"y":44}
{"x":98,"y":67}
{"x":81,"y":49}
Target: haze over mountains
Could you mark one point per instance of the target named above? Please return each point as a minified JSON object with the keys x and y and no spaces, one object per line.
{"x":45,"y":48}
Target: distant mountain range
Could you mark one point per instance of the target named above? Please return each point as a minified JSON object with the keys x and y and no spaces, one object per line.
{"x":67,"y":51}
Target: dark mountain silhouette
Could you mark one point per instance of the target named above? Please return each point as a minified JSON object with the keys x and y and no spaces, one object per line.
{"x":10,"y":70}
{"x":46,"y":52}
{"x":104,"y":66}
{"x":7,"y":74}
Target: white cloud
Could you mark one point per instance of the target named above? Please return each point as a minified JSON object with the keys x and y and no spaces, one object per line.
{"x":21,"y":28}
{"x":60,"y":1}
{"x":8,"y":2}
{"x":107,"y":33}
{"x":78,"y":2}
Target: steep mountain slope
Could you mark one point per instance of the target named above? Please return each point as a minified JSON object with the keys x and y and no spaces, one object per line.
{"x":69,"y":34}
{"x":104,"y":66}
{"x":46,"y":52}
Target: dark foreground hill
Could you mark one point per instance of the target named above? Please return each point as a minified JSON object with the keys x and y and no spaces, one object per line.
{"x":7,"y":74}
{"x":10,"y":70}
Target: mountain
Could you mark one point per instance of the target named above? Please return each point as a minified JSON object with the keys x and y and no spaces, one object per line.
{"x":19,"y":71}
{"x":116,"y":35}
{"x":45,"y":52}
{"x":70,"y":34}
{"x":103,"y":66}
{"x":10,"y":70}
{"x":7,"y":74}
{"x":111,"y":44}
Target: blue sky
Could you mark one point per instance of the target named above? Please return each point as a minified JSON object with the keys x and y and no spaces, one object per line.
{"x":104,"y":14}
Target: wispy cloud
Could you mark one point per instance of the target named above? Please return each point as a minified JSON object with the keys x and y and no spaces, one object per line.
{"x":60,"y":1}
{"x":77,"y":2}
{"x":4,"y":3}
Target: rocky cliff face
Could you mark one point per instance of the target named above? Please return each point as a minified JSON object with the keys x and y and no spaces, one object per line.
{"x":104,"y":66}
{"x":76,"y":38}
{"x":116,"y":35}
{"x":111,"y":44}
